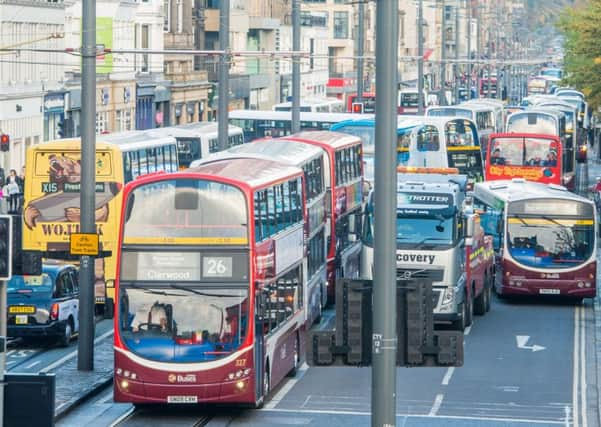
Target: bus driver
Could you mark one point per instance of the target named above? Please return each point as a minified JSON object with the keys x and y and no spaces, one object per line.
{"x":155,"y":319}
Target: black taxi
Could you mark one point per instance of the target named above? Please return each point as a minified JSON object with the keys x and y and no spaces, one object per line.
{"x":45,"y":305}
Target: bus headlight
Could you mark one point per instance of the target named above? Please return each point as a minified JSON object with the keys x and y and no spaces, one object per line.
{"x":581,"y":284}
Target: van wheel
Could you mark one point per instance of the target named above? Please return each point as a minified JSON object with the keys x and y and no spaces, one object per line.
{"x":65,"y":339}
{"x":469,"y":318}
{"x":489,"y":287}
{"x":480,"y":301}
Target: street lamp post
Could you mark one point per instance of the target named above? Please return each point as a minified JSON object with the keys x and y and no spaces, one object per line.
{"x":443,"y":55}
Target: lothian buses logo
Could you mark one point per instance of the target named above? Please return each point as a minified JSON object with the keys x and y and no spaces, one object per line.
{"x":188,"y":378}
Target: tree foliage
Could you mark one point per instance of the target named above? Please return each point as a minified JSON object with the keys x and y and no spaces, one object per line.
{"x":581,"y":27}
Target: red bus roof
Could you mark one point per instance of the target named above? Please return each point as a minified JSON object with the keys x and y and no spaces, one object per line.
{"x":325,"y":139}
{"x":525,"y":135}
{"x":252,"y":172}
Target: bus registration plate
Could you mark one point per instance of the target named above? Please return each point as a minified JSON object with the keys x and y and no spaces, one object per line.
{"x":549,"y":291}
{"x":182,"y":399}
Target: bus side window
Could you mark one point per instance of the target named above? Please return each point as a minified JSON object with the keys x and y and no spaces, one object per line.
{"x":127,"y":173}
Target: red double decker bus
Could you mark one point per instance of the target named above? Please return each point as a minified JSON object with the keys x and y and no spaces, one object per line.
{"x":344,"y":179}
{"x":210,"y":285}
{"x":533,"y":157}
{"x":312,"y":160}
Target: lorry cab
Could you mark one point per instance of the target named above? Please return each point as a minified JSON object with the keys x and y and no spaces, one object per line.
{"x":439,"y":239}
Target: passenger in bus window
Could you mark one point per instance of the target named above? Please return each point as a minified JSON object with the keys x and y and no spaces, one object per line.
{"x":551,"y":159}
{"x":496,"y":158}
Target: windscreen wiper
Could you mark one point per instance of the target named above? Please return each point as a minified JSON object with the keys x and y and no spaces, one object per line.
{"x":554,"y":221}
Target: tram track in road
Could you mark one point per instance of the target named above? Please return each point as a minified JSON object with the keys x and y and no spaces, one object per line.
{"x":158,"y":416}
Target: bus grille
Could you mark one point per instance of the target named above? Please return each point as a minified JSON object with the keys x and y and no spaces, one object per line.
{"x":436,"y":275}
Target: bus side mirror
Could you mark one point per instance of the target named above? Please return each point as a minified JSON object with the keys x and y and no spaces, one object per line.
{"x":469,"y":226}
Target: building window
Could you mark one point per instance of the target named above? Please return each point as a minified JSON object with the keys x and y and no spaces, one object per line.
{"x":123,"y":120}
{"x":145,"y":44}
{"x":180,"y":16}
{"x":340,"y":25}
{"x":102,"y":122}
{"x":167,"y":15}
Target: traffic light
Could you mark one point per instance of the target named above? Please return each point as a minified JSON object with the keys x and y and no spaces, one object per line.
{"x":4,"y":142}
{"x":6,"y":239}
{"x":23,"y":262}
{"x":358,"y":107}
{"x":60,"y":129}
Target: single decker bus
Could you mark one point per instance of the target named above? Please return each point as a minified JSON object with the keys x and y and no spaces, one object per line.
{"x":546,"y":238}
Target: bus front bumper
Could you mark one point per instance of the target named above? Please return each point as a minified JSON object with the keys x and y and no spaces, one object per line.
{"x":566,"y":288}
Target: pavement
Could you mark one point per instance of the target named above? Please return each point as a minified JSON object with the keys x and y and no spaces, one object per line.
{"x":74,"y":386}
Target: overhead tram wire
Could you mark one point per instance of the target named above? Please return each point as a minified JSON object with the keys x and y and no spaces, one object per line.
{"x":270,"y":54}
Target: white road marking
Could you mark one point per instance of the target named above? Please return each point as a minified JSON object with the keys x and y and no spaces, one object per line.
{"x":436,"y":405}
{"x":72,"y":354}
{"x":467,"y":330}
{"x":31,"y":365}
{"x":567,"y":411}
{"x":122,"y":417}
{"x":448,"y":375}
{"x":522,"y":340}
{"x":583,"y":366}
{"x":287,"y":387}
{"x":442,"y":417}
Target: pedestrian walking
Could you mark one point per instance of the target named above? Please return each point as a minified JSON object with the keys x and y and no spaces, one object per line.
{"x":12,"y":186}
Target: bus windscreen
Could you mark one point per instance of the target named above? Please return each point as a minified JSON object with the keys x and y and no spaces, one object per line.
{"x":183,"y":324}
{"x":550,"y":241}
{"x":184,"y":211}
{"x":531,"y":123}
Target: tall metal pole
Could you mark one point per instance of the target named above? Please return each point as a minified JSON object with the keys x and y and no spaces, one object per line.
{"x":224,"y":80}
{"x":420,"y":59}
{"x":85,"y":342}
{"x":360,"y":49}
{"x":456,"y":75}
{"x":478,"y":53}
{"x":468,"y":84}
{"x":443,"y":56}
{"x":296,"y":42}
{"x":384,"y":345}
{"x":3,"y":330}
{"x":498,"y":51}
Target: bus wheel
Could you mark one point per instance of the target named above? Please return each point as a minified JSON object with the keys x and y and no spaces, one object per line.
{"x":296,"y":356}
{"x":266,"y":382}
